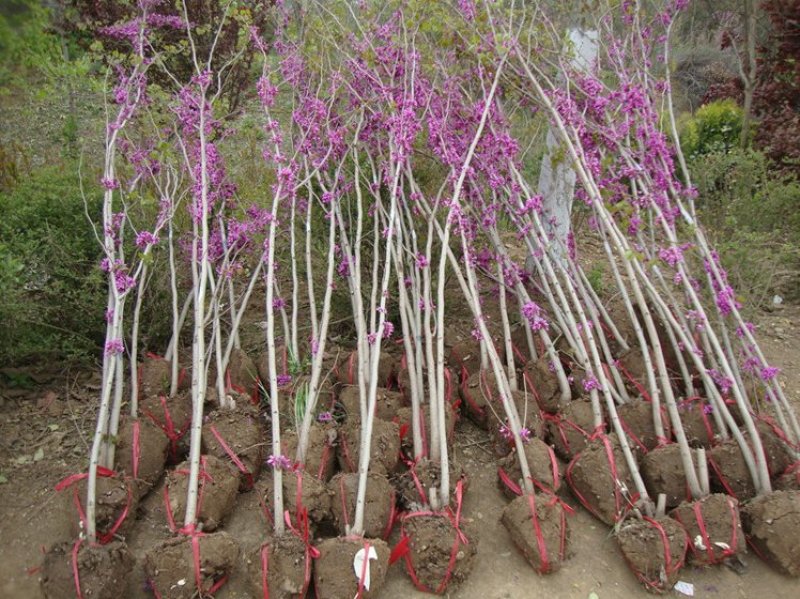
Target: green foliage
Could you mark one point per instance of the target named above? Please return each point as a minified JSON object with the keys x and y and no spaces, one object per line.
{"x":754,"y":219}
{"x":300,"y":400}
{"x":13,"y":165}
{"x":53,"y":291}
{"x":595,"y":277}
{"x":23,"y":41}
{"x":715,"y":127}
{"x":30,"y":43}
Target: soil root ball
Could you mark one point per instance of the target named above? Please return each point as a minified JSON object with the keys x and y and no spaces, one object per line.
{"x":282,"y":363}
{"x":599,"y":478}
{"x":790,"y":479}
{"x":634,"y":369}
{"x":141,"y":453}
{"x":662,"y":471}
{"x":519,"y":345}
{"x":218,"y":488}
{"x":729,"y":472}
{"x":544,"y":467}
{"x":173,"y":417}
{"x":384,"y":447}
{"x":637,"y":421}
{"x":301,"y":492}
{"x":414,"y":485}
{"x":155,"y":376}
{"x":776,"y":444}
{"x":404,"y":421}
{"x":242,"y":374}
{"x":320,"y":459}
{"x":714,"y":527}
{"x":772,"y":525}
{"x":451,"y":382}
{"x":379,"y":508}
{"x":531,"y":421}
{"x":569,"y":430}
{"x":346,"y":370}
{"x":236,"y":436}
{"x":387,"y":403}
{"x":102,"y":570}
{"x":465,"y":353}
{"x":441,"y":550}
{"x":281,"y":568}
{"x":538,"y":527}
{"x":334,"y":573}
{"x":172,"y":566}
{"x":476,"y":393}
{"x":115,"y":504}
{"x":698,"y":422}
{"x":655,"y":550}
{"x":538,"y":379}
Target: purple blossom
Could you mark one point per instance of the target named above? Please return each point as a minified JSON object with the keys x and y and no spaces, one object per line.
{"x":123,"y":282}
{"x":325,"y":417}
{"x":145,"y":239}
{"x":525,"y":434}
{"x":344,"y":267}
{"x":590,"y":382}
{"x":671,"y":256}
{"x":422,"y":261}
{"x":724,"y":383}
{"x":506,"y":433}
{"x":109,"y":183}
{"x":388,"y":329}
{"x":166,"y":21}
{"x":533,"y":314}
{"x":266,"y":92}
{"x":467,"y":9}
{"x":284,"y":380}
{"x":279,"y":462}
{"x":769,"y":372}
{"x":114,"y":347}
{"x":697,"y":318}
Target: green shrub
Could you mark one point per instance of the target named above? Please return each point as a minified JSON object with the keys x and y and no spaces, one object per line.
{"x":715,"y":127}
{"x":752,"y":214}
{"x":53,"y":291}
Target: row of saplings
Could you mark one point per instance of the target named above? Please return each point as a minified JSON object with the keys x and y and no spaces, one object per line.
{"x":437,"y":545}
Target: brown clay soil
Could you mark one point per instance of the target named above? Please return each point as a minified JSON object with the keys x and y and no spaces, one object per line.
{"x":44,"y":435}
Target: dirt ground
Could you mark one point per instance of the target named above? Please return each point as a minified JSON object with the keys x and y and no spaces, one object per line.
{"x":44,"y":434}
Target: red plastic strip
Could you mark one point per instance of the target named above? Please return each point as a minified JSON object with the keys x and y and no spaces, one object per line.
{"x":75,"y":571}
{"x":232,"y":455}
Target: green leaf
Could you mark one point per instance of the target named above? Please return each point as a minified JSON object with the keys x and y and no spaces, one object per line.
{"x":39,"y":455}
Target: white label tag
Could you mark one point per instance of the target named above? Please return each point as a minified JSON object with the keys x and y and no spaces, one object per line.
{"x":358,"y":564}
{"x":686,"y":588}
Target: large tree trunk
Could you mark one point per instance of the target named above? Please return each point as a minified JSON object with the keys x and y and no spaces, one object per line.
{"x":557,"y":177}
{"x":748,"y":67}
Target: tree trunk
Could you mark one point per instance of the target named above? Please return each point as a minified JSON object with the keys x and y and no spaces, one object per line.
{"x":557,"y":177}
